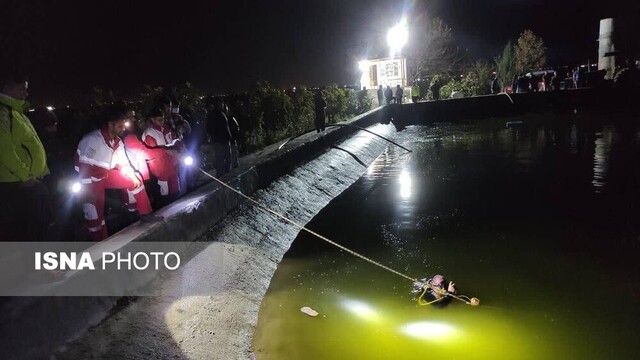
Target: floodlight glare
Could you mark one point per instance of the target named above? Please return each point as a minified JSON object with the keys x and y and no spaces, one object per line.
{"x":397,"y":36}
{"x":188,"y":161}
{"x":363,"y":65}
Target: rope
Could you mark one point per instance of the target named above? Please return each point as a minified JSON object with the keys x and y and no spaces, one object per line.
{"x":444,"y":293}
{"x":302,"y":227}
{"x":472,"y":301}
{"x":421,"y":301}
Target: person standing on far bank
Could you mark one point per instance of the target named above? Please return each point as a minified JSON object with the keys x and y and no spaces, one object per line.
{"x":321,"y":111}
{"x":399,"y":94}
{"x":388,"y":94}
{"x":218,"y":130}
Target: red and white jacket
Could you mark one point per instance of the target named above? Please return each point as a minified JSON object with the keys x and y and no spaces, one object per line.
{"x":164,"y":138}
{"x":159,"y":136}
{"x":97,"y":154}
{"x":139,"y":154}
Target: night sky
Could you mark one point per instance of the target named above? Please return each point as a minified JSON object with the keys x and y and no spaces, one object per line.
{"x":68,"y":47}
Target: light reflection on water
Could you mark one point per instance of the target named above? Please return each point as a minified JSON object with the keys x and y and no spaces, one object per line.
{"x":601,"y":158}
{"x":405,"y":184}
{"x":513,"y":216}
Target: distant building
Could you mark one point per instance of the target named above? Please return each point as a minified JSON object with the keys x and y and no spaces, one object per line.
{"x":389,"y":71}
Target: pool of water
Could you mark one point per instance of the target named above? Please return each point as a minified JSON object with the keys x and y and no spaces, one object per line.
{"x":538,"y":220}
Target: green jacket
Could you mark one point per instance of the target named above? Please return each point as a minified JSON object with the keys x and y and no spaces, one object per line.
{"x":22,"y":155}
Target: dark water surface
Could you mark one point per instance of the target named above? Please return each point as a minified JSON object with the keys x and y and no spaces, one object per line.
{"x":540,"y":221}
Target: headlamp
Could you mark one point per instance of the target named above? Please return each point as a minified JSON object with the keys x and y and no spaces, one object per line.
{"x":75,"y":188}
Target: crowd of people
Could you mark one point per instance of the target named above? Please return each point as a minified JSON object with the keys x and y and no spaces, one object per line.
{"x":387,"y":96}
{"x":575,"y":78}
{"x":146,"y":162}
{"x":534,"y":82}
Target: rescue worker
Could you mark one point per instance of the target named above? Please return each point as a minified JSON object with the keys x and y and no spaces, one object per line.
{"x":183,"y":131}
{"x":436,"y":291}
{"x":140,"y":154}
{"x":165,"y":167}
{"x":173,"y":119}
{"x":24,"y":214}
{"x":103,"y":164}
{"x":415,"y":92}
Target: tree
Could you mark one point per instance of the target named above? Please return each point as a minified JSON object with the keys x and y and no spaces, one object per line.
{"x":433,"y":49}
{"x":530,"y":52}
{"x":479,"y":78}
{"x":303,"y":110}
{"x":271,"y":111}
{"x":337,"y":103}
{"x":352,"y":103}
{"x":506,"y":65}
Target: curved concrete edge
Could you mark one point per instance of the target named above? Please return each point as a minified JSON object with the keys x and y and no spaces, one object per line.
{"x":52,"y":321}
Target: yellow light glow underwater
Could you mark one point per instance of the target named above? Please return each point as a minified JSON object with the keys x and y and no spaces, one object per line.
{"x":428,"y":330}
{"x":360,"y":309}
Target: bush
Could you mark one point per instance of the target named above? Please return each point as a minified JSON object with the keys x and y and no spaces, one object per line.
{"x":272,"y":110}
{"x":303,"y":111}
{"x":475,"y":82}
{"x":447,"y":89}
{"x":352,"y":103}
{"x":337,"y":103}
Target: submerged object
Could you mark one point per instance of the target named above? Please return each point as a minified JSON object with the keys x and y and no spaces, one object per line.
{"x":309,"y":311}
{"x":513,"y":123}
